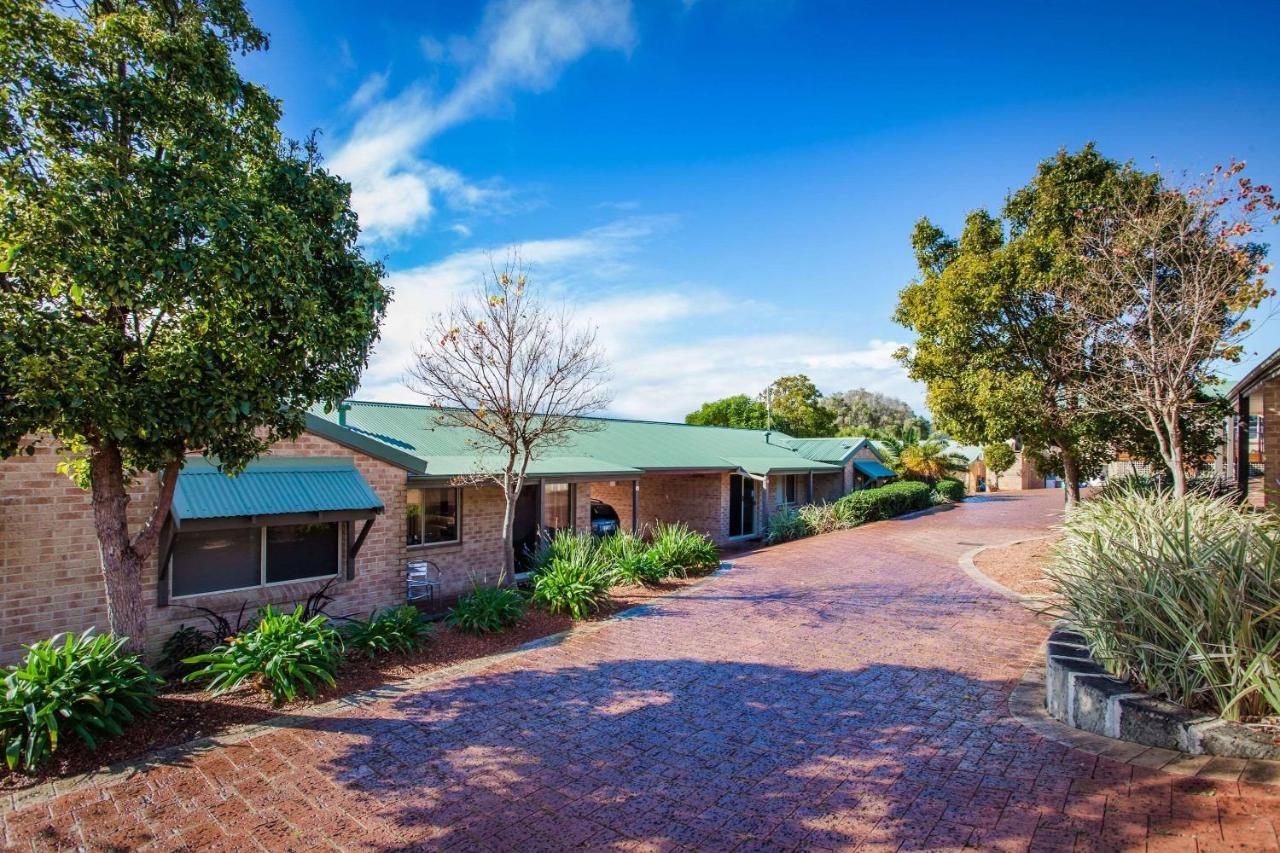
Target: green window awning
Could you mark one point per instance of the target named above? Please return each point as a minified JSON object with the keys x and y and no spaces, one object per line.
{"x":284,"y":488}
{"x":872,"y":469}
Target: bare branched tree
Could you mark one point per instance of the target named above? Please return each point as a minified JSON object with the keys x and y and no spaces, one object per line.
{"x":520,"y":374}
{"x":1165,"y":286}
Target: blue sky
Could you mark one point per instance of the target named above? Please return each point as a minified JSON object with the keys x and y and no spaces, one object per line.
{"x":726,"y":187}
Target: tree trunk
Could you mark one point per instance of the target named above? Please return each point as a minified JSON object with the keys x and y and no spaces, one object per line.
{"x":508,"y":537}
{"x":121,"y":565}
{"x":1071,"y":478}
{"x":123,"y":558}
{"x":1177,"y":457}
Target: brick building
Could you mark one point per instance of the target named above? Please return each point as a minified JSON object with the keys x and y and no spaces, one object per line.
{"x":366,"y":490}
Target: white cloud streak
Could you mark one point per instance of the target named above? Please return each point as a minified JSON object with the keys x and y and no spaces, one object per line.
{"x":671,"y":345}
{"x":522,"y":45}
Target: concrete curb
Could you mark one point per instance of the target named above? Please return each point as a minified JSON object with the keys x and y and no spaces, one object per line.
{"x":1034,"y":603}
{"x":176,"y":754}
{"x":1027,"y":706}
{"x":1085,"y":696}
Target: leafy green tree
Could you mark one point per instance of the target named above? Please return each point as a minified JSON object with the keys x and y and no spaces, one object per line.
{"x":177,"y":278}
{"x":993,"y":338}
{"x":798,"y":409}
{"x":857,"y":411}
{"x":998,"y":457}
{"x":738,"y":411}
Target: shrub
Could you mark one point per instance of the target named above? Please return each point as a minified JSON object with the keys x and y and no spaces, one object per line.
{"x":949,"y":491}
{"x":487,"y":610}
{"x":282,"y":654}
{"x":401,"y":630}
{"x":575,"y":580}
{"x":183,"y":643}
{"x":682,"y":551}
{"x":784,"y":526}
{"x":629,"y":560}
{"x":1207,"y":485}
{"x":79,"y":685}
{"x":822,"y":518}
{"x":1182,"y":594}
{"x":886,"y":501}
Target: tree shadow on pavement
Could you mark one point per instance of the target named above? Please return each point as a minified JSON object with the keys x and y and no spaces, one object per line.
{"x":701,"y":754}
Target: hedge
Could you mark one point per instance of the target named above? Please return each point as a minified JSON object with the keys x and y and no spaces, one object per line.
{"x":887,"y":501}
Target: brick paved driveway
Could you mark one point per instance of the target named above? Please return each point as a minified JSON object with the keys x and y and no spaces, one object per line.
{"x":843,"y":691}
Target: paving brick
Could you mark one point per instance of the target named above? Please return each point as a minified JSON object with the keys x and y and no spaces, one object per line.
{"x":847,"y":690}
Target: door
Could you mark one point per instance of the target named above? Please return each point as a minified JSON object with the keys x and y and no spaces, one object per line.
{"x":525,"y":527}
{"x":742,"y":505}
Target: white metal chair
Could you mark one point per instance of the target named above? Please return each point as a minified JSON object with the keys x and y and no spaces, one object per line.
{"x":422,"y":580}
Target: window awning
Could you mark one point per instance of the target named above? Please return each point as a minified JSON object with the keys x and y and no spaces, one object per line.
{"x":872,"y":468}
{"x":273,"y":490}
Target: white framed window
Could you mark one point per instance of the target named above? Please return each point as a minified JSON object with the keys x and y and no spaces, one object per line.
{"x":433,"y":516}
{"x":240,"y":558}
{"x":786,"y":489}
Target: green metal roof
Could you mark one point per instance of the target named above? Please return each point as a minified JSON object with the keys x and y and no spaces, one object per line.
{"x":835,"y":451}
{"x":272,"y":486}
{"x":624,"y":447}
{"x":872,"y":469}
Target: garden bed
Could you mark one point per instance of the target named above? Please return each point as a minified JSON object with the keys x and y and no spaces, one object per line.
{"x":185,"y":712}
{"x":1019,"y":566}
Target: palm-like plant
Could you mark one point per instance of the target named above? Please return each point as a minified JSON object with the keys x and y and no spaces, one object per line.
{"x":929,"y":460}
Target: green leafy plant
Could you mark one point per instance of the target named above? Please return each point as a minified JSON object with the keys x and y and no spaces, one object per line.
{"x":81,"y":685}
{"x":629,"y":560}
{"x":282,"y":654}
{"x":785,"y":525}
{"x":948,"y":491}
{"x":886,"y":501}
{"x":183,"y":643}
{"x":487,"y":610}
{"x":575,"y":581}
{"x":396,"y":630}
{"x":1181,"y":594}
{"x":683,"y":551}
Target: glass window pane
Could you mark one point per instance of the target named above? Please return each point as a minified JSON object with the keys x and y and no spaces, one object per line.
{"x":413,"y":517}
{"x":557,"y":506}
{"x":299,"y":551}
{"x":439,"y":515}
{"x":216,"y":560}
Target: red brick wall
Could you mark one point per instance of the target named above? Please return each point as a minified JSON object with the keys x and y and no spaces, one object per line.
{"x":699,"y":500}
{"x":50,"y":575}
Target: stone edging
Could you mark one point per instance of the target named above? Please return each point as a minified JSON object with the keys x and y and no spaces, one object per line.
{"x":1085,"y":696}
{"x":1034,"y":603}
{"x":121,"y":771}
{"x":1027,"y":706}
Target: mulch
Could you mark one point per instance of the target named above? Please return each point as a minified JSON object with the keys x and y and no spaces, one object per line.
{"x":1019,"y":567}
{"x":184,"y":712}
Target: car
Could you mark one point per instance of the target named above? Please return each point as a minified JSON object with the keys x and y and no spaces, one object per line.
{"x":604,"y":519}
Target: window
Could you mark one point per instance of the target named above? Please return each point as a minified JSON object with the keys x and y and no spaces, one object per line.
{"x":786,"y":489}
{"x":301,"y":551}
{"x":245,"y":557}
{"x":431,"y":516}
{"x":557,"y":506}
{"x":217,"y":560}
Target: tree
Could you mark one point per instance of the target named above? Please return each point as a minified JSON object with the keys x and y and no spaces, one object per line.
{"x":998,"y":457}
{"x":175,"y":277}
{"x":993,"y":343}
{"x":738,"y":411}
{"x":929,"y":460}
{"x":517,"y":374}
{"x":859,"y":411}
{"x":1163,"y":287}
{"x":797,"y":407}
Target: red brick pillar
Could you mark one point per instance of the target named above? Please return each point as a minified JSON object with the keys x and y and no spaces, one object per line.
{"x":1270,"y":411}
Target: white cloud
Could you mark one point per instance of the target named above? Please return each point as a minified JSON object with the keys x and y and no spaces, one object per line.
{"x":461,"y":230}
{"x":369,"y":91}
{"x":672,"y":345}
{"x":522,"y":45}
